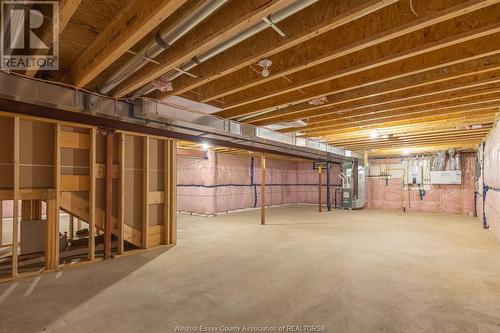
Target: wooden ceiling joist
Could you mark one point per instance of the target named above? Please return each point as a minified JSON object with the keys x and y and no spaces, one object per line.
{"x":406,"y":139}
{"x":320,"y":18}
{"x":432,"y":91}
{"x":376,"y":76}
{"x":234,"y":17}
{"x":475,"y":116}
{"x":451,"y":140}
{"x":396,"y":34}
{"x":447,"y":56}
{"x":488,"y":97}
{"x":481,"y":108}
{"x":406,"y":135}
{"x":421,"y":130}
{"x":129,"y":26}
{"x":66,"y":10}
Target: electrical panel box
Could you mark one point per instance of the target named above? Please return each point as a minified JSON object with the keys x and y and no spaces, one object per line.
{"x":446,"y":177}
{"x":415,"y":174}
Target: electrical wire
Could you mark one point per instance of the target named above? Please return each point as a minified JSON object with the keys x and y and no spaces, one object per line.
{"x":413,"y":9}
{"x":256,"y":71}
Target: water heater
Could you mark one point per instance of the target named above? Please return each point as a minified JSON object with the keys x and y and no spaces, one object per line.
{"x":415,"y":175}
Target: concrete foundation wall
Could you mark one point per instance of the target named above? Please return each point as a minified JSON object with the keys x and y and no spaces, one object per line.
{"x":442,"y":199}
{"x":225,"y":182}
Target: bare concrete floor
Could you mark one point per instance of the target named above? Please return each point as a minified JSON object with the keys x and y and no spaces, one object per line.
{"x":359,"y":271}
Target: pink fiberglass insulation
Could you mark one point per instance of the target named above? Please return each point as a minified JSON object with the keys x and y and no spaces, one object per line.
{"x":225,"y":182}
{"x":492,"y":181}
{"x":492,"y":212}
{"x":492,"y":159}
{"x":479,"y":198}
{"x":443,"y":199}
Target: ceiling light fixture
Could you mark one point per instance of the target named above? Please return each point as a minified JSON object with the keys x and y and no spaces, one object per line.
{"x":205,"y":146}
{"x":406,"y":151}
{"x":374,"y":134}
{"x":265,"y":64}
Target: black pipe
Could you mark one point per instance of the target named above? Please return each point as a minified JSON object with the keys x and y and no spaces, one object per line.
{"x":335,"y":197}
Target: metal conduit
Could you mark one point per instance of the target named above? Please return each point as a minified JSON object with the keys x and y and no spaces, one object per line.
{"x":261,"y":26}
{"x":161,"y":43}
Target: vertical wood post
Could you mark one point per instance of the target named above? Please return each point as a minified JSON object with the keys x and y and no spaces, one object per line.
{"x":328,"y":187}
{"x":173,"y":191}
{"x":145,"y":210}
{"x":1,"y":222}
{"x":109,"y":195}
{"x":26,"y":210}
{"x":167,"y":179}
{"x":92,"y":193}
{"x":50,"y":232}
{"x":57,"y":184}
{"x":121,"y":200}
{"x":170,"y":208}
{"x":15,"y":212}
{"x":262,"y":189}
{"x":37,"y":209}
{"x":320,"y":194}
{"x":71,"y":227}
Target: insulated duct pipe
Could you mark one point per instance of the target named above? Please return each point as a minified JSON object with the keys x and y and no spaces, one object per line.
{"x":162,"y":42}
{"x":261,"y":26}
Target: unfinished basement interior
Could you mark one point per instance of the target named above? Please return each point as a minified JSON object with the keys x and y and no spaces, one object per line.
{"x":250,"y":166}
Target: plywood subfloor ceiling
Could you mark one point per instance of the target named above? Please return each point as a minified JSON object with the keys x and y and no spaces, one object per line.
{"x":368,"y":75}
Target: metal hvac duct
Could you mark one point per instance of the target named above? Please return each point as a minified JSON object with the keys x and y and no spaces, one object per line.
{"x":261,"y":26}
{"x":162,"y":42}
